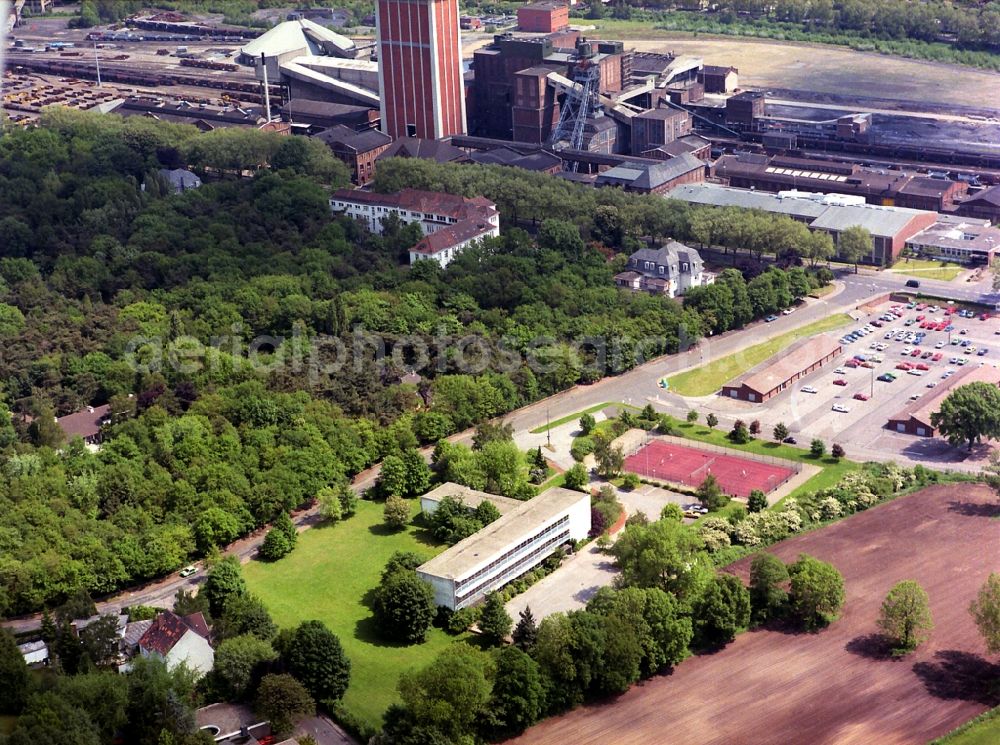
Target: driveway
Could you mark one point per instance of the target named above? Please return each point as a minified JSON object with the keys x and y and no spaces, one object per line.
{"x":569,"y":587}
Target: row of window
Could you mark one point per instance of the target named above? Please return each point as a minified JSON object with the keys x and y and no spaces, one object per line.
{"x":559,"y":524}
{"x":513,"y":572}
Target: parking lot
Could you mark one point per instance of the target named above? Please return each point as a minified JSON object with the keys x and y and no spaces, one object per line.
{"x":850,"y":400}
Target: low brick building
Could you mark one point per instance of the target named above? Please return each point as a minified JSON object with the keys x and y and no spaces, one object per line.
{"x":654,"y":178}
{"x":357,"y":149}
{"x":780,"y":372}
{"x":915,"y":419}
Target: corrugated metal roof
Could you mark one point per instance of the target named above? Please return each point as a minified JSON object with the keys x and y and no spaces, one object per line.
{"x":294,"y":35}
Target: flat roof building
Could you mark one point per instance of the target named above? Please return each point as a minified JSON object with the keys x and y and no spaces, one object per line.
{"x":915,"y":418}
{"x":543,"y":17}
{"x":507,"y":548}
{"x":952,"y":238}
{"x":777,"y":374}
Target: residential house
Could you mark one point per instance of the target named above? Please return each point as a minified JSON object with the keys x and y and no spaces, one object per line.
{"x":180,"y":179}
{"x":86,"y":424}
{"x":35,"y":653}
{"x":178,"y":639}
{"x":669,"y":270}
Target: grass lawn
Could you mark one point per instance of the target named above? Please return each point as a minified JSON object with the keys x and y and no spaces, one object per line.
{"x":833,"y":471}
{"x":707,"y":379}
{"x":326,"y":577}
{"x":983,"y":730}
{"x":928,"y":269}
{"x":573,"y":417}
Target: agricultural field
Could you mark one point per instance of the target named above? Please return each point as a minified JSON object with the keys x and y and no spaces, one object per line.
{"x":327,"y":577}
{"x":838,"y":685}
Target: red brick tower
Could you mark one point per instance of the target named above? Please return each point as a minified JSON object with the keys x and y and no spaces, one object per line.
{"x":420,"y":68}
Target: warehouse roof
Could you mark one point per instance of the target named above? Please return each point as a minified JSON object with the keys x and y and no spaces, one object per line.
{"x":725,"y":196}
{"x":793,"y":361}
{"x":469,"y":554}
{"x":648,"y":176}
{"x":885,"y":222}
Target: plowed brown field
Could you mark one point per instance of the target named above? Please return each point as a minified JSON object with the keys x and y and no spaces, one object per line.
{"x":837,"y":686}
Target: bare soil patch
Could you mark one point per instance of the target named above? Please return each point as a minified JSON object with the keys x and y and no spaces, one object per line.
{"x":838,"y":686}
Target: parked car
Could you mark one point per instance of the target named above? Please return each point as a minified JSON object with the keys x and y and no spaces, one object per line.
{"x":790,"y":440}
{"x":771,"y":318}
{"x":841,"y":408}
{"x":939,"y":345}
{"x":915,"y":396}
{"x":915,"y":372}
{"x":912,"y":283}
{"x":927,"y":355}
{"x":188,"y":570}
{"x":840,"y":371}
{"x":937,"y":357}
{"x":808,"y":389}
{"x":932,"y":384}
{"x":982,"y":352}
{"x":787,"y":311}
{"x":886,"y":377}
{"x":904,"y":366}
{"x":860,"y":396}
{"x":921,"y":366}
{"x":840,"y":381}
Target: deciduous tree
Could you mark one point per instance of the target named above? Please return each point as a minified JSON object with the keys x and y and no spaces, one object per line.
{"x":985,"y":610}
{"x":905,"y":617}
{"x":817,"y":591}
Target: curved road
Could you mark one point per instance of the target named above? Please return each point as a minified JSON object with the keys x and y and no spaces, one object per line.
{"x":636,"y":384}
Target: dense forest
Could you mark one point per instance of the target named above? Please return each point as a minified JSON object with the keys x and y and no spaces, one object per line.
{"x":115,"y":290}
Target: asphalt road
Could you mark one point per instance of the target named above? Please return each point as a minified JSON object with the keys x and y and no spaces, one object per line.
{"x":634,"y":386}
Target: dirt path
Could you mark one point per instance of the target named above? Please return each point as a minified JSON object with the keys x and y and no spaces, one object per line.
{"x":770,"y":687}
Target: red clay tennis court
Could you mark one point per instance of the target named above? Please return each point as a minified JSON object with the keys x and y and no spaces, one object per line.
{"x":689,"y":467}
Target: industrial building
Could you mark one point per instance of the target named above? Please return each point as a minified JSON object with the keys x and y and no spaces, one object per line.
{"x":421,"y":86}
{"x":915,"y":418}
{"x":450,"y":223}
{"x":890,"y":227}
{"x":507,"y":548}
{"x":985,"y":205}
{"x":543,"y":17}
{"x":670,"y":270}
{"x":718,"y":79}
{"x":780,"y":372}
{"x":887,"y":187}
{"x":654,"y":177}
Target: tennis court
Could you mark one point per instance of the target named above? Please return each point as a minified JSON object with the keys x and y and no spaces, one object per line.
{"x":690,"y":467}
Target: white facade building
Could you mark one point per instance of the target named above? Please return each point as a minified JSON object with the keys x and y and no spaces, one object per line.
{"x":518,"y":541}
{"x":179,"y":639}
{"x":450,"y":223}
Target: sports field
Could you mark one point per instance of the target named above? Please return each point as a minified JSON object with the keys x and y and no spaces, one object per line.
{"x":838,"y":685}
{"x":691,"y":466}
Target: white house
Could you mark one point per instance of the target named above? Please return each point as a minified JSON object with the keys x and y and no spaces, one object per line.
{"x":670,"y":270}
{"x":35,"y":653}
{"x":450,"y":223}
{"x":519,"y":540}
{"x":179,"y":639}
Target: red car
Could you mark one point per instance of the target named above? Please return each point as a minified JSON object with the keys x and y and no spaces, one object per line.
{"x":860,"y":397}
{"x":921,"y":317}
{"x":840,"y":381}
{"x":867,"y":364}
{"x":942,"y":326}
{"x":877,"y":324}
{"x":921,"y":366}
{"x":922,"y":306}
{"x":984,"y":317}
{"x":904,"y":366}
{"x":937,"y":357}
{"x":851,"y":363}
{"x":915,"y":352}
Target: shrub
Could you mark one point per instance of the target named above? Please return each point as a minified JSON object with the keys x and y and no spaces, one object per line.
{"x":630,"y":481}
{"x":587,"y":424}
{"x":462,"y":619}
{"x":757,"y":501}
{"x":396,"y":512}
{"x":817,"y":448}
{"x":692,"y":416}
{"x":576,"y":478}
{"x":837,"y":451}
{"x":275,"y":546}
{"x":712,"y":420}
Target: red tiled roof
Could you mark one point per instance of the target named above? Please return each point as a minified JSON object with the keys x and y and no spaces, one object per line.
{"x":451,"y":236}
{"x":168,"y":628}
{"x":86,"y":423}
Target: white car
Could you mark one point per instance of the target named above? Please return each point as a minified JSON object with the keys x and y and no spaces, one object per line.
{"x":841,"y":408}
{"x":888,"y":335}
{"x":906,"y":350}
{"x":808,"y":389}
{"x":939,"y":345}
{"x":838,"y":371}
{"x":787,"y":311}
{"x":915,"y":373}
